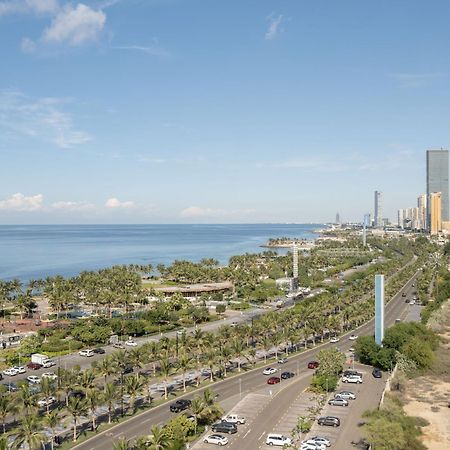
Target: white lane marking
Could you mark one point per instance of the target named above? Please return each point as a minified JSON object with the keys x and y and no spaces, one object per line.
{"x":262,"y":434}
{"x":248,"y":431}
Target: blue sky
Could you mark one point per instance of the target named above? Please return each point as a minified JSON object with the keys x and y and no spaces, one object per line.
{"x":169,"y":111}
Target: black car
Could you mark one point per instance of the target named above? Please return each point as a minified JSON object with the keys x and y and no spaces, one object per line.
{"x":127,"y":369}
{"x":224,"y":427}
{"x":377,"y":373}
{"x":286,"y":375}
{"x":180,"y":405}
{"x":77,"y":394}
{"x":330,"y":421}
{"x":349,"y":373}
{"x":99,"y":351}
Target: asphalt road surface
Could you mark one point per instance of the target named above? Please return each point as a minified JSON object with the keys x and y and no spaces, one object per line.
{"x":247,"y":382}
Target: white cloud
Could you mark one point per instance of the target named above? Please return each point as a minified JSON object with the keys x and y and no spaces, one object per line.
{"x":72,"y":206}
{"x":19,"y":202}
{"x":40,"y":119}
{"x":27,"y":45}
{"x":197,"y":212}
{"x":29,"y":6}
{"x":274,"y":27}
{"x":153,"y":49}
{"x":115,"y":203}
{"x":75,"y":25}
{"x":415,"y":80}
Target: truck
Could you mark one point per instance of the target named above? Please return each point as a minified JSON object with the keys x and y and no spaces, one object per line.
{"x":43,"y":360}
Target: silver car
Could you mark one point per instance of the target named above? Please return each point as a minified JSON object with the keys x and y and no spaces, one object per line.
{"x":338,"y":402}
{"x":217,"y":439}
{"x":347,"y":395}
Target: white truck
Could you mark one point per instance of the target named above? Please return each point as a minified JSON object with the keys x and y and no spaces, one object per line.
{"x":43,"y":360}
{"x":234,"y":418}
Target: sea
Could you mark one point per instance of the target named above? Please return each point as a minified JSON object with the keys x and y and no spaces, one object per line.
{"x":38,"y":251}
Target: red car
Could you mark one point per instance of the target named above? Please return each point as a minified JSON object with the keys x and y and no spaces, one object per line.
{"x":273,"y":380}
{"x":34,"y":366}
{"x":313,"y":365}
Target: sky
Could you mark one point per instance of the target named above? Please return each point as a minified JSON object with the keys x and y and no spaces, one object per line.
{"x":201,"y":111}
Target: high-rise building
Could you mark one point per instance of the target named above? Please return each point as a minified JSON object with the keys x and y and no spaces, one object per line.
{"x":422,"y":211}
{"x":338,"y":219}
{"x":378,"y":210}
{"x":435,"y":212}
{"x":401,"y":218}
{"x":437,"y":181}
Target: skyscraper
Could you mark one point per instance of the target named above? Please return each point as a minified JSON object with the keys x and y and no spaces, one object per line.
{"x":378,"y":210}
{"x":435,"y":212}
{"x":422,"y":207}
{"x":437,"y":181}
{"x":338,"y":218}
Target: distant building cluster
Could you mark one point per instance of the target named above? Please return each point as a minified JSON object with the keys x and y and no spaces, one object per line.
{"x":431,"y":214}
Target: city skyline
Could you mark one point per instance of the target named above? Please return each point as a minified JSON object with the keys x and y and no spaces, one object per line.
{"x":127,"y":111}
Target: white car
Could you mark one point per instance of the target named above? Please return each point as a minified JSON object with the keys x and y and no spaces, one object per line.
{"x":352,"y":379}
{"x":269,"y":371}
{"x":10,"y":372}
{"x":353,"y":337}
{"x":131,"y":343}
{"x":234,"y":418}
{"x":50,"y":375}
{"x":321,"y":440}
{"x":333,"y":340}
{"x":346,"y":395}
{"x":33,"y":379}
{"x":311,"y":445}
{"x":46,"y":402}
{"x":217,"y":439}
{"x":48,"y":363}
{"x":20,"y":369}
{"x":278,"y":440}
{"x":87,"y":353}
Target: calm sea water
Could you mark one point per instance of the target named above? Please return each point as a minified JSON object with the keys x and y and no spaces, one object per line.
{"x":38,"y":251}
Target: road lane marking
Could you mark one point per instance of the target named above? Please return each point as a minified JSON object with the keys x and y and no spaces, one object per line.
{"x":262,"y":434}
{"x":248,"y":431}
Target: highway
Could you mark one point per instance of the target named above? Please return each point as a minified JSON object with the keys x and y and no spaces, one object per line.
{"x":248,"y":382}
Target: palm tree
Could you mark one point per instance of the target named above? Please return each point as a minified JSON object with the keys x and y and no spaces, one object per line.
{"x":212,"y":410}
{"x":29,"y":433}
{"x":7,"y":406}
{"x":136,"y":358}
{"x":133,"y":387}
{"x":52,"y":420}
{"x":67,"y":383}
{"x":4,"y":443}
{"x":184,"y":363}
{"x":211,"y":358}
{"x":87,"y":379}
{"x":93,"y":399}
{"x":158,"y":439}
{"x":121,"y":444}
{"x":238,"y":348}
{"x":106,"y":368}
{"x":77,"y":407}
{"x":47,"y":389}
{"x":110,"y":396}
{"x":140,"y":443}
{"x":197,"y":407}
{"x":165,"y":367}
{"x":26,"y":399}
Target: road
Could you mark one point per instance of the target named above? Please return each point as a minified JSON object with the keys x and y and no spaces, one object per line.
{"x":247,"y":382}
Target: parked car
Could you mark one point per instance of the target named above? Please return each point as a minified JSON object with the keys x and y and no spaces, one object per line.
{"x":34,"y":366}
{"x":77,"y":394}
{"x":353,"y":337}
{"x":87,"y":353}
{"x":127,"y":369}
{"x":273,"y":380}
{"x":10,"y":372}
{"x":338,"y":402}
{"x":180,"y":405}
{"x":403,"y":294}
{"x":335,"y":339}
{"x":234,"y":418}
{"x":286,"y":375}
{"x":352,"y":379}
{"x":33,"y":379}
{"x":48,"y":363}
{"x":313,"y":365}
{"x":270,"y":371}
{"x":311,"y":444}
{"x":376,"y":372}
{"x":352,"y":372}
{"x":347,"y":395}
{"x":99,"y":351}
{"x":224,"y":427}
{"x":282,"y":361}
{"x":118,"y":345}
{"x":321,"y":440}
{"x":46,"y":402}
{"x":50,"y":375}
{"x":217,"y":439}
{"x":330,"y":421}
{"x":131,"y":343}
{"x":20,"y":369}
{"x":278,"y":440}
